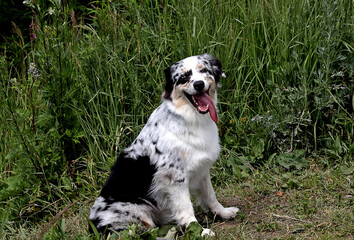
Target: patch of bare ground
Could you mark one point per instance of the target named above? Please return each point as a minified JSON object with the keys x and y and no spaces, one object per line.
{"x":319,"y":208}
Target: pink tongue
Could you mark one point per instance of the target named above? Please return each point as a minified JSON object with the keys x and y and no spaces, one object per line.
{"x":204,"y":100}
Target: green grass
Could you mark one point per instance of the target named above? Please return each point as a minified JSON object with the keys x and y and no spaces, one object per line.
{"x":84,"y":87}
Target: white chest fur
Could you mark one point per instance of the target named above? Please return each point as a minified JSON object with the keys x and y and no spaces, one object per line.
{"x":197,"y":141}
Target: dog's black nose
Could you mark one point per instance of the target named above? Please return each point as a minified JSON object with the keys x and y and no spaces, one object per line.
{"x":198,"y":85}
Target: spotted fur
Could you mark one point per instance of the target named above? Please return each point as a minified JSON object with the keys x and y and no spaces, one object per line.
{"x":153,"y":179}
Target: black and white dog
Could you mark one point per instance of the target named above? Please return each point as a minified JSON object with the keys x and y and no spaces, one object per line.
{"x":152,"y":180}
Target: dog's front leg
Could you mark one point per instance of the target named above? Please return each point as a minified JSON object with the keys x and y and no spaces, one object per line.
{"x":207,"y":198}
{"x":181,"y":205}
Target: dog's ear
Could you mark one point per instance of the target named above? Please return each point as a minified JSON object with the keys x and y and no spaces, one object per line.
{"x":169,"y":84}
{"x":215,"y":66}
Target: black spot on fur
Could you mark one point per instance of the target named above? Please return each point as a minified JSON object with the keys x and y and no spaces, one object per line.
{"x":141,"y":141}
{"x":173,"y":115}
{"x":172,"y":165}
{"x":117,"y":211}
{"x":180,"y":180}
{"x":123,"y":186}
{"x":157,"y":151}
{"x":127,"y":213}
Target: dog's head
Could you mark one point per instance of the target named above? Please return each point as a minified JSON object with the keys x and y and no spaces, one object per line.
{"x":194,"y":81}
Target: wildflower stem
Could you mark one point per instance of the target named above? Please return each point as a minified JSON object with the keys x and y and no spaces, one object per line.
{"x":35,"y":162}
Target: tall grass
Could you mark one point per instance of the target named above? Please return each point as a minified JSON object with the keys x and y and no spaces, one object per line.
{"x":83,"y":88}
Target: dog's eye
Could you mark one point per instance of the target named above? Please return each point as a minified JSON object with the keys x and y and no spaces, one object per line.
{"x":182,"y":79}
{"x":204,"y":70}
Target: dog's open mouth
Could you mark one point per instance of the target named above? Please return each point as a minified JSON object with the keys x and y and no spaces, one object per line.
{"x":203,"y":104}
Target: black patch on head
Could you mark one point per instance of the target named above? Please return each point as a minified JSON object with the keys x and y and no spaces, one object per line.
{"x":216,"y":67}
{"x":185,"y":77}
{"x":130,"y":180}
{"x":169,"y":83}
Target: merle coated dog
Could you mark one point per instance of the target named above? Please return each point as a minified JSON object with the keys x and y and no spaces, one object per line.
{"x":153,"y":179}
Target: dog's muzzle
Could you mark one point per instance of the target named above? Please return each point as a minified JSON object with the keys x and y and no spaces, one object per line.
{"x":202,"y":101}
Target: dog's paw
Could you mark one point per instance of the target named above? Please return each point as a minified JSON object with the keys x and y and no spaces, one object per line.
{"x":228,"y":213}
{"x":208,"y":232}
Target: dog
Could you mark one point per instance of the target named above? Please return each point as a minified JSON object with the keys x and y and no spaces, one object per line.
{"x":152,"y":180}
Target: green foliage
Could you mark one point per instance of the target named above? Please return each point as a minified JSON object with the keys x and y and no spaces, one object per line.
{"x":291,"y":160}
{"x":193,"y":232}
{"x":134,"y":232}
{"x":85,"y":83}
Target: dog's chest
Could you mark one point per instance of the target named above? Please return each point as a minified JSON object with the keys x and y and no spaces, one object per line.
{"x":198,"y":146}
{"x":204,"y":140}
{"x":169,"y":139}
